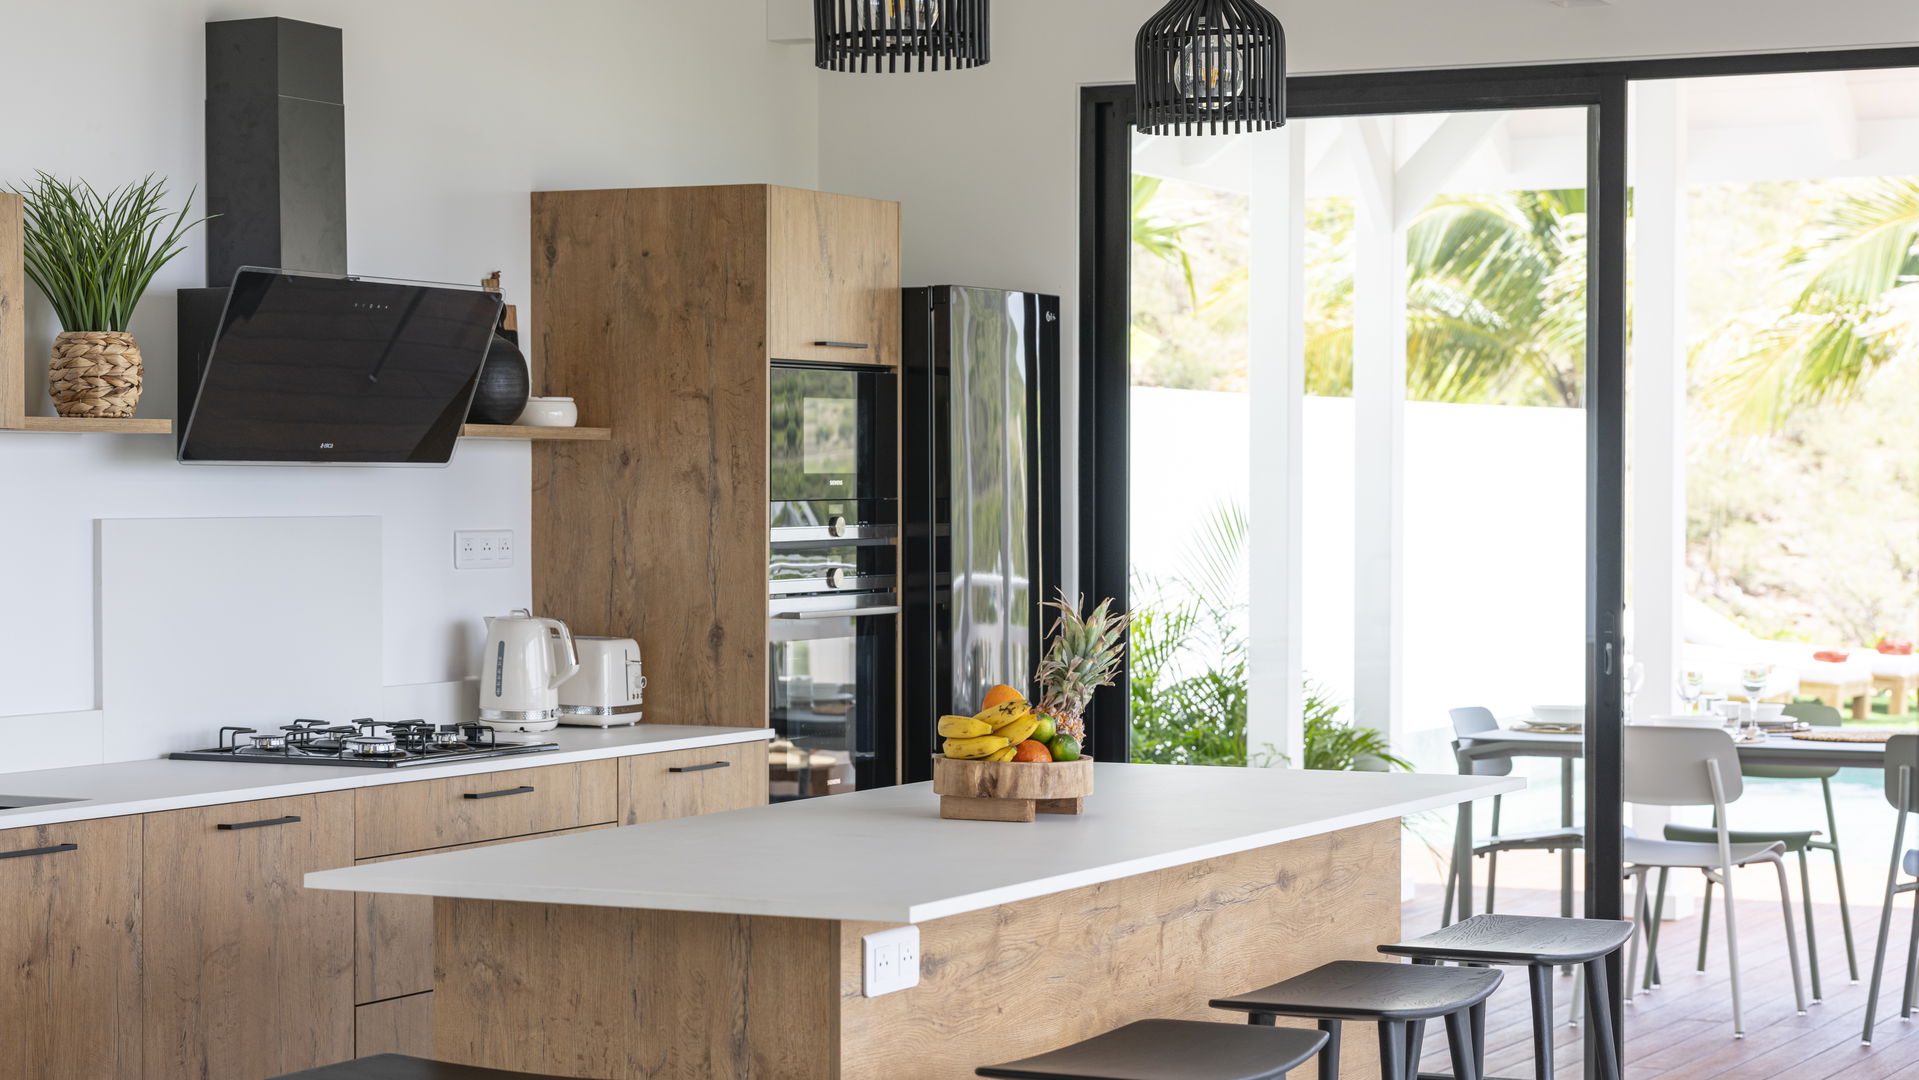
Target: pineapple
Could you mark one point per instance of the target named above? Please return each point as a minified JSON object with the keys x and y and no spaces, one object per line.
{"x":1083,"y":657}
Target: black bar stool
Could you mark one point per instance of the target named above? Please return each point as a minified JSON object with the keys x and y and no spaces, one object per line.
{"x":402,"y":1067}
{"x":1400,"y":998}
{"x":1538,"y":945}
{"x":1171,"y":1050}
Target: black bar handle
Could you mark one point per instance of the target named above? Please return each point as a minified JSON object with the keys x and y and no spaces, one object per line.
{"x":24,"y":852}
{"x":699,"y":768}
{"x":288,"y":820}
{"x":524,"y":789}
{"x":841,"y":345}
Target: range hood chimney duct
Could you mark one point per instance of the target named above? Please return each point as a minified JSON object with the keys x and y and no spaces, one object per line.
{"x":276,"y":147}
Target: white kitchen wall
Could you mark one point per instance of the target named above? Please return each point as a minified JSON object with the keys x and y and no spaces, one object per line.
{"x":987,"y":161}
{"x":455,"y":110}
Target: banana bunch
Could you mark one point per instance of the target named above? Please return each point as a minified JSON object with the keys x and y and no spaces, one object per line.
{"x":993,"y":735}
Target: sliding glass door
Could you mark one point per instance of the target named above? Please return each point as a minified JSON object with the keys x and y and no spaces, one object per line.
{"x":1361,"y":382}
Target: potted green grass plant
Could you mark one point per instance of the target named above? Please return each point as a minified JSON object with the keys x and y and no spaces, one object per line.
{"x":93,"y":255}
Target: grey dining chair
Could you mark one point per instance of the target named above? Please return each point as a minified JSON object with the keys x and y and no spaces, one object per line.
{"x":1684,"y":766}
{"x":1902,"y":791}
{"x":1798,"y":842}
{"x":1474,"y":720}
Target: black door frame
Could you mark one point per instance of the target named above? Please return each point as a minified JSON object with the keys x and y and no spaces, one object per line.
{"x":1105,"y":315}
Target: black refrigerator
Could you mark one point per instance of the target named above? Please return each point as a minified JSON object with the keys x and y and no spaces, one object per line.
{"x":979,"y":544}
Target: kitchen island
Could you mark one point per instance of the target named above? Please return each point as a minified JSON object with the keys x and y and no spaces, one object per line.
{"x":730,"y":944}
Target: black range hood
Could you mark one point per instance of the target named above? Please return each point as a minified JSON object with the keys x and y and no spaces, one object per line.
{"x":286,"y":358}
{"x":323,"y":369}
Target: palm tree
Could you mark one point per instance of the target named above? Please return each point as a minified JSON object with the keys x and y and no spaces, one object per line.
{"x":1156,"y":236}
{"x":1856,"y":310}
{"x":1496,"y":299}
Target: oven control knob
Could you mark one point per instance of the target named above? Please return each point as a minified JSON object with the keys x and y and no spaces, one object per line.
{"x":836,"y":578}
{"x":836,"y":526}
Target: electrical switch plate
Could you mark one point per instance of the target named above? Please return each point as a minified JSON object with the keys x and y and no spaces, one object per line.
{"x":891,"y":960}
{"x":482,"y":549}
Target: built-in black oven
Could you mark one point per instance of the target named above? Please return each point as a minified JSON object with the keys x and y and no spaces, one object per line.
{"x":833,"y":461}
{"x":832,"y":584}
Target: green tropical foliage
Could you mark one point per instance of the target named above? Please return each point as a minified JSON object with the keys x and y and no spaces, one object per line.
{"x":1187,"y":669}
{"x":1158,"y":237}
{"x":1495,"y":299}
{"x":1857,"y":267}
{"x":93,"y":255}
{"x":1187,"y":675}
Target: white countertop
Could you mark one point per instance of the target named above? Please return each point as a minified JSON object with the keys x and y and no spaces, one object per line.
{"x":142,"y":787}
{"x":887,"y":856}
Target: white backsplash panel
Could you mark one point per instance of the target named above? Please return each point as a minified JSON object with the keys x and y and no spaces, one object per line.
{"x":251,"y":621}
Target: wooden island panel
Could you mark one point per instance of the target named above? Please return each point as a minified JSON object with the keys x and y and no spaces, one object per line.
{"x":721,"y":995}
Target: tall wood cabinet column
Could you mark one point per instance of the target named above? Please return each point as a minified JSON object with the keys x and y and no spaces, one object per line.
{"x":654,"y":307}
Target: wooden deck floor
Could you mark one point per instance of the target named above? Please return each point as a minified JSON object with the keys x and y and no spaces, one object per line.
{"x":1683,"y":1029}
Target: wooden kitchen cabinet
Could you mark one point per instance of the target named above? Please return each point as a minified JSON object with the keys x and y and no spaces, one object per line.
{"x":248,"y":973}
{"x":833,"y":277}
{"x":682,"y":783}
{"x":70,"y":951}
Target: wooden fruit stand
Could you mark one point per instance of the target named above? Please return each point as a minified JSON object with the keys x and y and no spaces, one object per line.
{"x":978,"y":790}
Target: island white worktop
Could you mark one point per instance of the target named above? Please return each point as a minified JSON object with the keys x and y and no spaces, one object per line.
{"x":887,"y":856}
{"x":155,"y":784}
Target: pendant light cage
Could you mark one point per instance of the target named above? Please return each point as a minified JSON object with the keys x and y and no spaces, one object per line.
{"x":1210,"y":67}
{"x":900,"y":35}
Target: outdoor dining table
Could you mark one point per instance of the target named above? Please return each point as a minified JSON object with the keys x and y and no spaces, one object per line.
{"x":1506,"y":742}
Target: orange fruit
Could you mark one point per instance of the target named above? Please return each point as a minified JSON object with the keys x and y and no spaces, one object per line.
{"x":1032,"y":750}
{"x":999,"y":695}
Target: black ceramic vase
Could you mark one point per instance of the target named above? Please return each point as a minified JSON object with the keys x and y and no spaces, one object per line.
{"x":504,"y":385}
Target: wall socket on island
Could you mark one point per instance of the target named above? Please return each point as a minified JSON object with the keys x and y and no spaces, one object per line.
{"x":482,"y":549}
{"x":892,"y":960}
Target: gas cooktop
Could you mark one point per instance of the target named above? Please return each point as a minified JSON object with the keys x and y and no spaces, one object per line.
{"x":363,"y":744}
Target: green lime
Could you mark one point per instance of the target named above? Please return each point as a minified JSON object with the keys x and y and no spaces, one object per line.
{"x":1064,"y":748}
{"x":1048,"y":727}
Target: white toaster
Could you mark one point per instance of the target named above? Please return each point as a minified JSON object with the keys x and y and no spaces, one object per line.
{"x":609,"y":687}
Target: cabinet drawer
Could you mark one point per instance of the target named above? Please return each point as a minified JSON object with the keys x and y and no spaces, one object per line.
{"x":395,"y":933}
{"x":69,"y":951}
{"x":682,"y":783}
{"x":400,"y":1026}
{"x":426,"y":814}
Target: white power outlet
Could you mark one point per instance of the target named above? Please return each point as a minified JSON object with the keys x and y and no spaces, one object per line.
{"x":892,"y":960}
{"x":482,"y":549}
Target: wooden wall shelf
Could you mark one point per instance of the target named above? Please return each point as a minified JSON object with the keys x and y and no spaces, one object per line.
{"x":132,"y":425}
{"x":137,"y":426}
{"x":527,"y":431}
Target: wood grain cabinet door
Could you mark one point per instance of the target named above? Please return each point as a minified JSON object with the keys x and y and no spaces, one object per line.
{"x":248,"y":973}
{"x":69,"y":951}
{"x":682,"y":783}
{"x":833,"y":288}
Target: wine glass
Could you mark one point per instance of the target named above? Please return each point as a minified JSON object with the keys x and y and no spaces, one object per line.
{"x":1692,"y":683}
{"x":1634,"y":680}
{"x":1753,"y":679}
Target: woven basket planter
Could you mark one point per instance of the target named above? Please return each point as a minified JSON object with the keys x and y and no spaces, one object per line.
{"x":95,"y":374}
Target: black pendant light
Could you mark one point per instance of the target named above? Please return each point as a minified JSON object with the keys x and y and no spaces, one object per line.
{"x":1210,"y":67}
{"x":900,"y":35}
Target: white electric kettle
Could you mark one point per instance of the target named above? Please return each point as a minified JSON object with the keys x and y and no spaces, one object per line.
{"x":525,"y":660}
